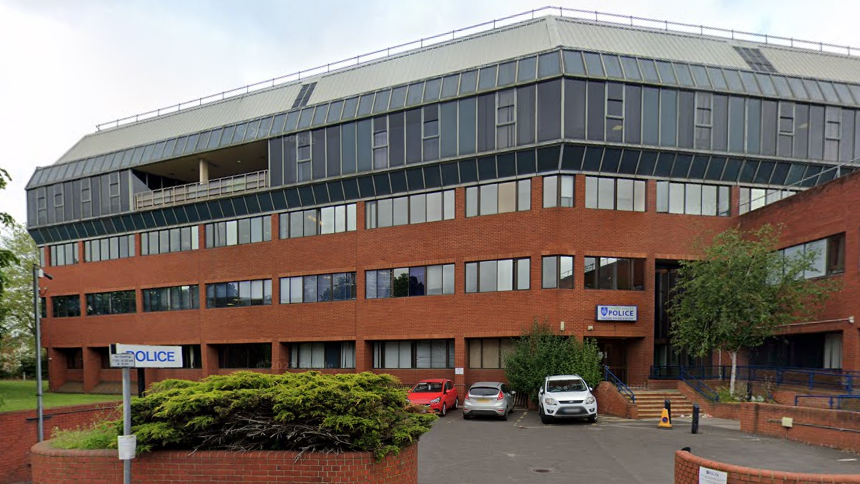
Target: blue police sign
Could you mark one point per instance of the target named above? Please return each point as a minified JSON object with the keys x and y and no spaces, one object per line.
{"x":147,"y":356}
{"x":617,"y":313}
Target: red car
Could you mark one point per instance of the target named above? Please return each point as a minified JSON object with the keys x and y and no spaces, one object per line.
{"x":439,"y":394}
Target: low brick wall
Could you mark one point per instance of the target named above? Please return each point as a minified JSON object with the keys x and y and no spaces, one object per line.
{"x":58,"y":466}
{"x":611,"y":402}
{"x":729,"y":411}
{"x":687,"y":472}
{"x":829,"y":428}
{"x":18,"y":433}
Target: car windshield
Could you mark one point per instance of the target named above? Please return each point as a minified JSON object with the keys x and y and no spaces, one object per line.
{"x":483,"y":391}
{"x":431,"y":387}
{"x":556,"y":386}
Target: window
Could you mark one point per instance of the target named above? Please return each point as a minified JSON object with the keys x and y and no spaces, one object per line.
{"x":303,"y":156}
{"x":413,"y":209}
{"x":239,"y":293}
{"x":498,"y":275}
{"x":829,"y":255}
{"x":557,"y":272}
{"x":496,"y":198}
{"x":332,"y":354}
{"x":171,"y":240}
{"x":755,"y":198}
{"x":489,"y":353}
{"x":786,"y":129}
{"x":339,"y":286}
{"x":116,"y":302}
{"x":191,"y":357}
{"x":109,"y":248}
{"x":614,"y":273}
{"x":693,"y":199}
{"x":64,"y":254}
{"x":234,"y":232}
{"x":832,"y":132}
{"x":614,"y":112}
{"x":174,"y":298}
{"x":413,"y":354}
{"x":410,"y":281}
{"x":247,"y":355}
{"x":431,"y":132}
{"x":74,"y":358}
{"x":615,"y":194}
{"x":41,"y":206}
{"x":66,"y":306}
{"x":380,"y":142}
{"x":506,"y":119}
{"x":704,"y":120}
{"x":317,"y":221}
{"x":558,"y":191}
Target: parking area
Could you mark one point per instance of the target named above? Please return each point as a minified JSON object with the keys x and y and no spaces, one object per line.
{"x":613,"y":450}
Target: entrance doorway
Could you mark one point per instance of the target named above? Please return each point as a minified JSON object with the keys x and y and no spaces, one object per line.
{"x":614,"y":356}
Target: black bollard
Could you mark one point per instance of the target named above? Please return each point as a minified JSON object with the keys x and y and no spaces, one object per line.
{"x":695,"y":418}
{"x":667,"y":404}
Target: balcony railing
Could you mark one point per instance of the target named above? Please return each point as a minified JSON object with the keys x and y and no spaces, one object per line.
{"x":200,"y":191}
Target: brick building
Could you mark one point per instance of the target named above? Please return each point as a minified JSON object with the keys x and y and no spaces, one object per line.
{"x":412,"y":213}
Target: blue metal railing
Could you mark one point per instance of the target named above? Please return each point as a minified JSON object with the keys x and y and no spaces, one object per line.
{"x":838,"y":399}
{"x":839,"y":380}
{"x":701,"y":387}
{"x":611,"y":378}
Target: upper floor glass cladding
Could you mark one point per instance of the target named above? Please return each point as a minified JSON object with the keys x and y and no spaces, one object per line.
{"x":554,"y":111}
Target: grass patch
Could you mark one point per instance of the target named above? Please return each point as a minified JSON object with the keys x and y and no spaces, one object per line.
{"x":100,"y":435}
{"x":21,"y":395}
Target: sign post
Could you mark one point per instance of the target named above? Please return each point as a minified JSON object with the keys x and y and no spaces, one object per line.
{"x":137,"y":356}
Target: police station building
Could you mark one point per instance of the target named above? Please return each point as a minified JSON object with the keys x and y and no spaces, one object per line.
{"x":413,"y":212}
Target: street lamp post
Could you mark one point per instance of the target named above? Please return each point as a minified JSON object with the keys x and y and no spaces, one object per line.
{"x":38,"y":272}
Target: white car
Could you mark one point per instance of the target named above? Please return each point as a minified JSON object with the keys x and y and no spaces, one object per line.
{"x":566,"y":396}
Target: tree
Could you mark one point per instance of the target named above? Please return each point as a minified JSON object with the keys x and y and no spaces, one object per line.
{"x":540,"y":353}
{"x":7,"y":257}
{"x":741,"y":293}
{"x":17,"y":321}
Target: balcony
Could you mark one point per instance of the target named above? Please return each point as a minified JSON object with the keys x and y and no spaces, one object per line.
{"x":193,"y":192}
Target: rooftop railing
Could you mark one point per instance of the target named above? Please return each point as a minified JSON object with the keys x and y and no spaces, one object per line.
{"x":200,"y":191}
{"x":589,"y":15}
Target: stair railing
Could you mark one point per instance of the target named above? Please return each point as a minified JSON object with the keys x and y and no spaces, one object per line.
{"x":701,"y":387}
{"x":624,"y":389}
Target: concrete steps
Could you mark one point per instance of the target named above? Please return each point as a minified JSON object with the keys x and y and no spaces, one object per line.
{"x":649,"y":403}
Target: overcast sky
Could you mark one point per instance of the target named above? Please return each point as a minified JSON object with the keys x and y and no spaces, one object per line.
{"x":66,"y":66}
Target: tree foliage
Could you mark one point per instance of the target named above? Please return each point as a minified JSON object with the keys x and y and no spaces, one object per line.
{"x":741,"y":292}
{"x":293,"y":411}
{"x":17,"y":321}
{"x":540,"y":353}
{"x":7,"y":257}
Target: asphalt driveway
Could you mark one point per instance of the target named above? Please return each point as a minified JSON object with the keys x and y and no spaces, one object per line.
{"x":611,"y":451}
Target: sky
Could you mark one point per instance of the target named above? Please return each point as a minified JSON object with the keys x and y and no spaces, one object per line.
{"x":66,"y":66}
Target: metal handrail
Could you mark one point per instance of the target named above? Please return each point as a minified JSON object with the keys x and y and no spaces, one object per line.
{"x":200,"y":191}
{"x":611,"y":378}
{"x":701,"y":387}
{"x":838,"y":399}
{"x":781,"y":375}
{"x":589,"y":15}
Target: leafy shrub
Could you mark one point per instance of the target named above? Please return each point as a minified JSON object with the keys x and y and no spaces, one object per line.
{"x":293,"y":411}
{"x":540,"y":353}
{"x":100,"y":435}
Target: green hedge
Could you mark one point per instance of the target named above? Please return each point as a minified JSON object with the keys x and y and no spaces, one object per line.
{"x":293,"y":411}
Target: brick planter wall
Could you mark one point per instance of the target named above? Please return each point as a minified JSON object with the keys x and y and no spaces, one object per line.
{"x":810,"y":425}
{"x":18,"y":433}
{"x":58,"y":466}
{"x":714,"y":409}
{"x":687,"y":472}
{"x":611,"y":402}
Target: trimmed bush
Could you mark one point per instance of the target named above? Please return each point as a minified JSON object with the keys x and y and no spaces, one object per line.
{"x":293,"y":411}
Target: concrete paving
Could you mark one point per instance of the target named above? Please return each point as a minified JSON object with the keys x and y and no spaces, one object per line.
{"x":613,"y":450}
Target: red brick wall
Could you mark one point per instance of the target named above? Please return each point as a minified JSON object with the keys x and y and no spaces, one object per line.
{"x":611,"y":402}
{"x":687,"y":472}
{"x":808,"y":425}
{"x":56,"y":466}
{"x":714,"y":409}
{"x":18,"y":433}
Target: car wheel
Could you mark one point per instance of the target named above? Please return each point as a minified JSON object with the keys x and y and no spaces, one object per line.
{"x":466,"y":416}
{"x":456,"y":404}
{"x":544,"y":418}
{"x":593,"y":418}
{"x":444,"y":410}
{"x":505,"y":416}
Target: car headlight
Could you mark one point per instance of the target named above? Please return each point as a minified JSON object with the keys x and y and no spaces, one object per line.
{"x":550,"y":401}
{"x":589,"y":400}
{"x":436,"y":400}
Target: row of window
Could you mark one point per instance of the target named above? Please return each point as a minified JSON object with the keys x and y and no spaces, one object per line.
{"x":693,"y":199}
{"x":175,"y":298}
{"x":410,"y":281}
{"x":412,"y":209}
{"x":239,"y":293}
{"x":169,"y":240}
{"x":241,"y":231}
{"x":109,"y":248}
{"x":828,"y":258}
{"x":318,"y":288}
{"x":317,"y":221}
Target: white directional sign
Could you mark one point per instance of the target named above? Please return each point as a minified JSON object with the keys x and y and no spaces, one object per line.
{"x":146,"y":356}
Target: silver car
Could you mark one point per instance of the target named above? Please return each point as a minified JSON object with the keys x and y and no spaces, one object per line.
{"x":490,"y":398}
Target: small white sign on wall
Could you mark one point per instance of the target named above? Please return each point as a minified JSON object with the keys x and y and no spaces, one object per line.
{"x":711,"y":476}
{"x":458,"y":371}
{"x":126,"y":445}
